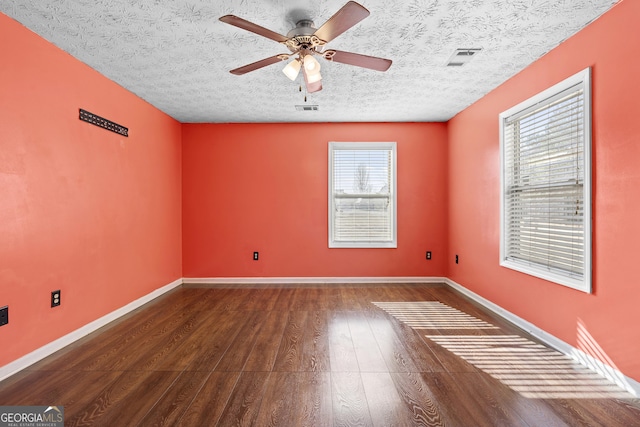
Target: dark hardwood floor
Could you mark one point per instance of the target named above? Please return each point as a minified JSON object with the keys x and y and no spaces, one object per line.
{"x":396,"y":355}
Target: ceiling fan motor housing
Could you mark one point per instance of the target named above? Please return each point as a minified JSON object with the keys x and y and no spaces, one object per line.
{"x":302,"y":37}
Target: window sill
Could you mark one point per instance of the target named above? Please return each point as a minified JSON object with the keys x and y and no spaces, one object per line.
{"x":583,"y":284}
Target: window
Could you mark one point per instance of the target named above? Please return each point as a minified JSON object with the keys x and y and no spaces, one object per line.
{"x":362,"y":195}
{"x":546,"y":184}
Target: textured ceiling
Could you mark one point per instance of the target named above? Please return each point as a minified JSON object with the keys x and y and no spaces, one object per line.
{"x":177,"y":54}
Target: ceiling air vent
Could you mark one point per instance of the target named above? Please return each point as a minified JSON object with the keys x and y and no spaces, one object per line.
{"x":462,"y":56}
{"x":307,"y":107}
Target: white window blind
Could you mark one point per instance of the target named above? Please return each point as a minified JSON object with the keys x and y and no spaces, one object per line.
{"x":362,"y":206}
{"x":546,"y":192}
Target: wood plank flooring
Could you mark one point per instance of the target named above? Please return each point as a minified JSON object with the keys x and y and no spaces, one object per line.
{"x":334,"y":355}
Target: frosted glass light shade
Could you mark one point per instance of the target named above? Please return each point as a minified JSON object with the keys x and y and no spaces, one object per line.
{"x":311,"y":64}
{"x":292,"y":69}
{"x":314,"y":77}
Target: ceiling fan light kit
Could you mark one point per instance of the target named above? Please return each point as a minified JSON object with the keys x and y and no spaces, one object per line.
{"x":292,"y":69}
{"x":305,"y":42}
{"x":313,"y":77}
{"x":311,"y":64}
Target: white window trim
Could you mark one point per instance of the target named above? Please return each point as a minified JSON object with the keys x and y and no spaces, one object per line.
{"x":393,"y":243}
{"x":583,"y":284}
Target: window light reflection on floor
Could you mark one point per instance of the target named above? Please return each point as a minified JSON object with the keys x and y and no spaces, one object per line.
{"x":527,"y":367}
{"x":432,"y":315}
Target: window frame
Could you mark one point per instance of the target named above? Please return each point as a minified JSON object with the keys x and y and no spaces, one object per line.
{"x":583,"y":283}
{"x":392,"y":146}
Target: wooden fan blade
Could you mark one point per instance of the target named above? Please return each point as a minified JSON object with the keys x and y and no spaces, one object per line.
{"x":311,"y":87}
{"x":254,"y":28}
{"x":350,"y":14}
{"x":364,"y":61}
{"x":256,"y":65}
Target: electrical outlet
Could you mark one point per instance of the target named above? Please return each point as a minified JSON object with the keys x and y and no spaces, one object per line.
{"x":428,"y":254}
{"x":4,"y":315}
{"x":55,"y":298}
{"x":255,"y":256}
{"x":456,"y":259}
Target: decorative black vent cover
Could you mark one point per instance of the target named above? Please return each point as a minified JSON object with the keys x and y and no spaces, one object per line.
{"x":88,"y":117}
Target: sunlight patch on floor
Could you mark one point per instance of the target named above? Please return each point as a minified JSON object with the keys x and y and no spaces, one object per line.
{"x":432,"y":315}
{"x":527,"y":367}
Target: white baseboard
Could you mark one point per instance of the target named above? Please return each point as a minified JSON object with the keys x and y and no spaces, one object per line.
{"x":308,"y":280}
{"x":614,"y":375}
{"x":48,"y":349}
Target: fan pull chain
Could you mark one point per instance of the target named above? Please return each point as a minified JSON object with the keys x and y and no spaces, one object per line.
{"x":305,"y":92}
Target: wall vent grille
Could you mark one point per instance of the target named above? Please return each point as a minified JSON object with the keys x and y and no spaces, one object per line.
{"x":462,"y":55}
{"x":307,"y":107}
{"x":88,"y":117}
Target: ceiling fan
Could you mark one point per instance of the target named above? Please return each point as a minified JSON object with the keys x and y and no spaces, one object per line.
{"x":305,"y":42}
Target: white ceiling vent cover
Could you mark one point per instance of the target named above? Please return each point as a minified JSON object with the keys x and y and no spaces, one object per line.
{"x":462,"y":56}
{"x":307,"y":107}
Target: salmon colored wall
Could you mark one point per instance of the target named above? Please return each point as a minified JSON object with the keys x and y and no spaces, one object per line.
{"x":82,"y":209}
{"x":263,"y":187}
{"x":106,"y":219}
{"x":609,"y":317}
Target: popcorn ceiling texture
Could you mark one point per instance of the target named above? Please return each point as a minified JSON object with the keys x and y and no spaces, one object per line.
{"x":177,"y":55}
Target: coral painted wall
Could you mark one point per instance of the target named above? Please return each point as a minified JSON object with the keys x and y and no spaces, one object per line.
{"x":108,"y":219}
{"x":605,"y":323}
{"x":82,"y":209}
{"x":263,"y":187}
